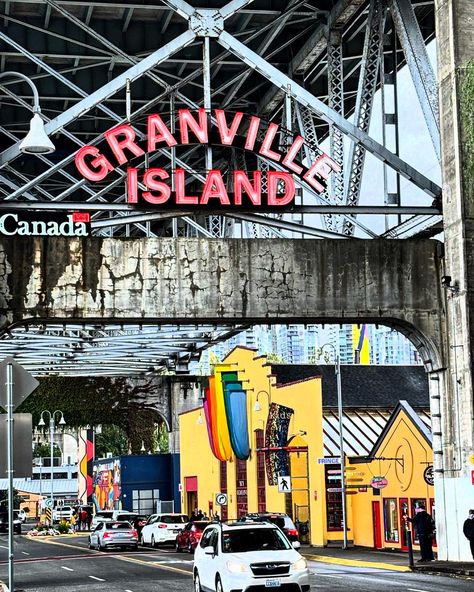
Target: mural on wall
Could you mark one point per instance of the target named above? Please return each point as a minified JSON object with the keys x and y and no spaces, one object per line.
{"x":86,"y":459}
{"x":107,"y":486}
{"x":277,"y":460}
{"x":225,"y":410}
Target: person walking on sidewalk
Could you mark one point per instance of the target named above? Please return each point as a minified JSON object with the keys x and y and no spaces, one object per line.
{"x":424,"y":527}
{"x":468,"y":530}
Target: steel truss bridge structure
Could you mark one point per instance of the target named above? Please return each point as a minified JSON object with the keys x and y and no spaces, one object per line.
{"x":311,"y":66}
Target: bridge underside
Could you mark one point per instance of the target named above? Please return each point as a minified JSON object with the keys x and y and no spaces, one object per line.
{"x":204,"y":289}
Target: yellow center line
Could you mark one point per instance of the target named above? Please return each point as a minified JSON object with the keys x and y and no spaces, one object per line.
{"x":357,"y":563}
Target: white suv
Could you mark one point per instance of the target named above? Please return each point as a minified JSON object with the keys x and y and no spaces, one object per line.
{"x":242,"y":556}
{"x":162,"y":528}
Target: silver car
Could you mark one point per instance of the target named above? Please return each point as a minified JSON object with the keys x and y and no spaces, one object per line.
{"x":113,"y":534}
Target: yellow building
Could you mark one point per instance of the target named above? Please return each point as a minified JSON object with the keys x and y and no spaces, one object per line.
{"x":402,"y":457}
{"x":291,"y":436}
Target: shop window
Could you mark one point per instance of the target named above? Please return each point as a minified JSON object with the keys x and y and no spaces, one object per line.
{"x":241,"y":487}
{"x":223,"y":488}
{"x":261,"y":492}
{"x":390,"y":518}
{"x":333,"y":497}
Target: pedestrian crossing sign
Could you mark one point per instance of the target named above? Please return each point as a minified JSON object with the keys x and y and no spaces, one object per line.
{"x":284,"y":484}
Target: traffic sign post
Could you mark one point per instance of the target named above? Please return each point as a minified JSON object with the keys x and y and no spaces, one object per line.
{"x":25,"y":384}
{"x":284,"y":484}
{"x":221,"y":499}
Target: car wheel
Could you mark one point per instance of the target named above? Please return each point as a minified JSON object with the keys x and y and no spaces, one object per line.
{"x":142,"y":541}
{"x":153,"y":541}
{"x":197,"y":583}
{"x":91,"y":546}
{"x":177,"y":547}
{"x":135,"y":548}
{"x":100,"y":547}
{"x":219,"y":587}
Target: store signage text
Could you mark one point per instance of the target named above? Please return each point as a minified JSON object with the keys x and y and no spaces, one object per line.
{"x":163,"y":186}
{"x":44,"y":224}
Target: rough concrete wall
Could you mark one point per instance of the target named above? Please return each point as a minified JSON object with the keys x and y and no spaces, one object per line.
{"x":393,"y":282}
{"x":454,"y":440}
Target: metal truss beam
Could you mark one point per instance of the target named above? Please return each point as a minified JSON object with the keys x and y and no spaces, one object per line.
{"x":368,"y":79}
{"x":92,"y":100}
{"x":422,"y":74}
{"x":327,"y":114}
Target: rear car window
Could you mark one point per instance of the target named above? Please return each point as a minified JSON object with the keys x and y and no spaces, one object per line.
{"x":104,"y":515}
{"x":118,"y":526}
{"x":174,"y":519}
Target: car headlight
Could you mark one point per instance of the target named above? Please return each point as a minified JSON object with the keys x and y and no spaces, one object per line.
{"x":299,"y":565}
{"x":235,"y":567}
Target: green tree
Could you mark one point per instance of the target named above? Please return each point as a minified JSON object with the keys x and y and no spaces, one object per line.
{"x":17,"y":499}
{"x":43,"y":450}
{"x":112,"y":439}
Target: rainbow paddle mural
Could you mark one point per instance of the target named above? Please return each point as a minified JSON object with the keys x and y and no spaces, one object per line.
{"x":225,"y":410}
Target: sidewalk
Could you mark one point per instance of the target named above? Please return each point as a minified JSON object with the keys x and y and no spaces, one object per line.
{"x":366,"y":557}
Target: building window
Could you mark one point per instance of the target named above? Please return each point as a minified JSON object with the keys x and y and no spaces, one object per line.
{"x":241,"y":487}
{"x":223,"y":487}
{"x":261,"y":493}
{"x":145,"y":501}
{"x":390,"y":519}
{"x":333,"y":497}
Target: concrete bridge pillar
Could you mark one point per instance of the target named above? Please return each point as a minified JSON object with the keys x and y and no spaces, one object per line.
{"x":454,"y":481}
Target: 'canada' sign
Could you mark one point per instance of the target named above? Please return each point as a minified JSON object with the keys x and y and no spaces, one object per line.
{"x":242,"y":188}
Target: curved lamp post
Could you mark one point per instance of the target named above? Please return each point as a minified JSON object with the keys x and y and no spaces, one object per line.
{"x":36,"y":141}
{"x":42,"y":423}
{"x":257,"y":404}
{"x":337,"y":366}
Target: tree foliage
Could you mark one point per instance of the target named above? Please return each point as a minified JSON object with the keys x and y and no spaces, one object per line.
{"x":43,"y":450}
{"x":100,"y":401}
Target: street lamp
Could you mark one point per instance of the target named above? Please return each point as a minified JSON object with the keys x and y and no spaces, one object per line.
{"x":337,"y":367}
{"x":41,"y":423}
{"x":257,"y":404}
{"x":36,"y":141}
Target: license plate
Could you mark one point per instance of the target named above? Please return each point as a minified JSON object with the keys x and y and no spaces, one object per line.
{"x":276,"y":583}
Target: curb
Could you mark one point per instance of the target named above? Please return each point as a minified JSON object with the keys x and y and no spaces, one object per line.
{"x":465,"y":573}
{"x":357,"y":563}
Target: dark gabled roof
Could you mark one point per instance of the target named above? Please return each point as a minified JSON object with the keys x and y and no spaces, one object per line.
{"x":362,"y":386}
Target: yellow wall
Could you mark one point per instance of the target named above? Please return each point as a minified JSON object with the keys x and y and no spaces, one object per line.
{"x":304,"y":397}
{"x":403,"y":441}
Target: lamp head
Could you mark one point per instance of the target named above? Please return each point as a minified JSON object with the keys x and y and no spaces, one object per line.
{"x":257,"y":406}
{"x":36,"y":141}
{"x":62,"y":421}
{"x":41,"y":422}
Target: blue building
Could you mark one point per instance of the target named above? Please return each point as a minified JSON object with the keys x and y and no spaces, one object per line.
{"x":146,"y":483}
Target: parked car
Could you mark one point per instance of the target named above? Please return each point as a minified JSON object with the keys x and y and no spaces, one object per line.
{"x":162,"y":528}
{"x":62,"y":513}
{"x":4,"y":522}
{"x":101,"y":516}
{"x":189,"y":537}
{"x":113,"y":534}
{"x":248,"y":556}
{"x":283,"y":521}
{"x":22,"y":515}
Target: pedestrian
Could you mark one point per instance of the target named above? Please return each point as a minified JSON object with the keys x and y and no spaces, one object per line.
{"x":199,"y":515}
{"x":468,"y":530}
{"x":79,"y":519}
{"x":83,"y":517}
{"x":424,"y":528}
{"x":89,"y":518}
{"x":193,"y":516}
{"x":73,"y":522}
{"x":216,"y":517}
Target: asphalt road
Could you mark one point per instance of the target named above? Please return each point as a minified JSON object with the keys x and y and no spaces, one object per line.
{"x":67,"y":564}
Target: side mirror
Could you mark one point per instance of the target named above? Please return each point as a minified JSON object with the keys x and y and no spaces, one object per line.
{"x":209,"y":550}
{"x":296,"y":544}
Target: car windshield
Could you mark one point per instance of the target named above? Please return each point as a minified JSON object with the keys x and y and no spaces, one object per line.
{"x":128,"y":517}
{"x":118,"y":526}
{"x":254,"y":539}
{"x":200,"y":525}
{"x":174,"y":519}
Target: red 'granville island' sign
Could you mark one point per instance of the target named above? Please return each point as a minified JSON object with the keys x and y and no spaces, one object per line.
{"x":236,"y":130}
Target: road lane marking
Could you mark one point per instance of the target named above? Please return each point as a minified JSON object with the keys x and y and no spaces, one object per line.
{"x":25,"y":553}
{"x":416,"y":590}
{"x":98,"y":579}
{"x":153,"y":565}
{"x":66,"y":568}
{"x":356,"y":563}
